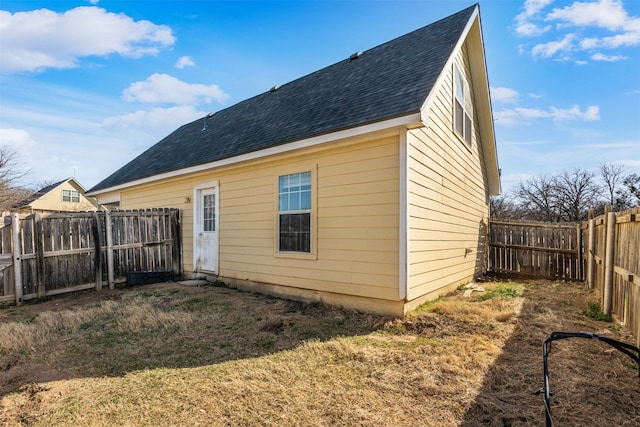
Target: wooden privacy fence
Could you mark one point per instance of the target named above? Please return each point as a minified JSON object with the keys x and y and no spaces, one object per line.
{"x":612,"y":260}
{"x":55,"y":253}
{"x":603,"y":251}
{"x":547,"y":250}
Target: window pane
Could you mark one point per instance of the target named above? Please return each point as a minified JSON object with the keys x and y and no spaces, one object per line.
{"x":294,"y":201}
{"x":459,"y":85}
{"x":468,"y":107}
{"x":467,"y":128}
{"x":284,"y":183}
{"x":294,"y":182}
{"x":284,"y":202}
{"x":305,"y":181}
{"x":305,"y":200}
{"x":458,"y":118}
{"x":209,"y":212}
{"x":295,"y":232}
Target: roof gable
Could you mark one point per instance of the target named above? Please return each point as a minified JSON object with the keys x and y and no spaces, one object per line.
{"x":48,"y":189}
{"x":387,"y":81}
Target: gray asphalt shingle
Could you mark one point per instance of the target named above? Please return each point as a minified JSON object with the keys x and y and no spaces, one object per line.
{"x":387,"y":81}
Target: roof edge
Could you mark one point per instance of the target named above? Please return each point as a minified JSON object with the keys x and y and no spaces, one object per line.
{"x":479,"y":69}
{"x":396,"y":122}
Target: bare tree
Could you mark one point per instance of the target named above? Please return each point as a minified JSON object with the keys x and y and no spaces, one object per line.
{"x":503,"y":207}
{"x":10,"y":172}
{"x":620,"y":195}
{"x":577,"y":192}
{"x":537,"y":198}
{"x":632,"y":185}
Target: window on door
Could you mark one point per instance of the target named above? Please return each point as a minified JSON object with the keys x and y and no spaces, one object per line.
{"x":209,"y":212}
{"x":294,"y":212}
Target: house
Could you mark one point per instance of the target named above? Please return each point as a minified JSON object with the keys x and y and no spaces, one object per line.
{"x":365,"y":184}
{"x":63,"y":196}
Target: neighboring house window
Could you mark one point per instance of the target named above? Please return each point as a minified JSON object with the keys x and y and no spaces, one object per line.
{"x":72,"y":196}
{"x":294,"y":212}
{"x":462,"y":106}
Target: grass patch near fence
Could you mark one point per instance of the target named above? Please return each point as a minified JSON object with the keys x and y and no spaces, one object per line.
{"x":170,"y":355}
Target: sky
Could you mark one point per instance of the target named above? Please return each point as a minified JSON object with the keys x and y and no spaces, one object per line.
{"x":87,"y":85}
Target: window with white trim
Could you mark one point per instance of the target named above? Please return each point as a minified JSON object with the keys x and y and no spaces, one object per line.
{"x":209,"y":212}
{"x":71,"y":196}
{"x":462,"y":106}
{"x":294,"y":212}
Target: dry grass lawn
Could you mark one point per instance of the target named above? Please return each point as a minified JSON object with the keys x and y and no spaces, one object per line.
{"x":167,"y":354}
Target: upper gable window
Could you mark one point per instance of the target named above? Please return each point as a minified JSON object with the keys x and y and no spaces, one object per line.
{"x":462,"y":106}
{"x":72,"y":196}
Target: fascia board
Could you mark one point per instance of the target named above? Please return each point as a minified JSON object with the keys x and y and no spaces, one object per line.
{"x":405,"y":121}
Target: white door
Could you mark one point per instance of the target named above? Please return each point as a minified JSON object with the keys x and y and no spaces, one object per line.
{"x":206,"y":231}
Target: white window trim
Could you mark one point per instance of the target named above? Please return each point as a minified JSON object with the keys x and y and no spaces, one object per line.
{"x":466,"y":92}
{"x":71,"y":194}
{"x":313,"y":254}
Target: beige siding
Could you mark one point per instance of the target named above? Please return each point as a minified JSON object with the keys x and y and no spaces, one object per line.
{"x":52,"y":201}
{"x":447,"y":198}
{"x":355,"y":210}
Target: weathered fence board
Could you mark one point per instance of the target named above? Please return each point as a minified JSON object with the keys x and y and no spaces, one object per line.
{"x":604,"y":252}
{"x":622,"y":299}
{"x":64,"y":252}
{"x":535,"y":249}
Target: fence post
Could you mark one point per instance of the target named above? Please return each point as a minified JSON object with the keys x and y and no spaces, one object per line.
{"x":110,"y":269}
{"x":17,"y":256}
{"x":591,"y":260}
{"x":176,"y":245}
{"x":97,"y":237}
{"x":39,"y":252}
{"x":608,"y":262}
{"x":579,"y":248}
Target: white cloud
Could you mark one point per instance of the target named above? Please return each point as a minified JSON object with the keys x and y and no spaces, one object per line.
{"x":603,"y":14}
{"x":579,"y":27}
{"x":17,"y":140}
{"x":40,"y":39}
{"x":609,"y":58}
{"x":504,"y":94}
{"x":524,"y":26}
{"x":547,"y":50}
{"x":94,"y":2}
{"x":520,"y":116}
{"x":607,"y":14}
{"x":161,"y":120}
{"x":185,"y":61}
{"x":163,"y":88}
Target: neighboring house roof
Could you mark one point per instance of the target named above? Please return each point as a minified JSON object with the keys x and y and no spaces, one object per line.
{"x":35,"y":196}
{"x":389,"y":81}
{"x":45,"y":190}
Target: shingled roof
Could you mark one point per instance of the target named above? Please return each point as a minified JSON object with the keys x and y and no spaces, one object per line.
{"x":37,"y":194}
{"x":385,"y":82}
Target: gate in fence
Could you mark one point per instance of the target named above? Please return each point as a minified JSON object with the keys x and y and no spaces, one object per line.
{"x":55,"y":253}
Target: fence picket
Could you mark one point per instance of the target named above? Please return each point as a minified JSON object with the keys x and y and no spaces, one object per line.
{"x":609,"y":262}
{"x":65,"y":252}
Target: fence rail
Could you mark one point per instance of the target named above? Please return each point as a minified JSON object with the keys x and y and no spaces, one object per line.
{"x":603,"y":251}
{"x":64,"y":252}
